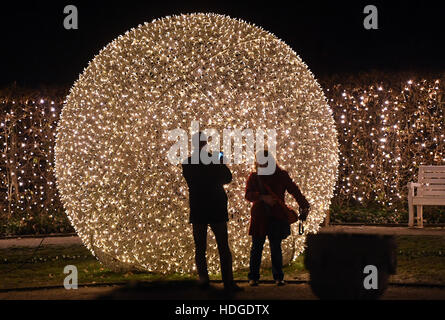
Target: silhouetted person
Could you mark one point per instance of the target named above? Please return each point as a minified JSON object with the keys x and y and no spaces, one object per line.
{"x":266,"y":216}
{"x":208,"y":206}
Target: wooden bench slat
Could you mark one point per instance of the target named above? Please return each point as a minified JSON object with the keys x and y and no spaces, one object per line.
{"x":432,"y":181}
{"x":431,"y":172}
{"x":432,"y":188}
{"x":427,"y":187}
{"x":433,"y":194}
{"x":431,"y":167}
{"x":433,"y":201}
{"x":432,"y":175}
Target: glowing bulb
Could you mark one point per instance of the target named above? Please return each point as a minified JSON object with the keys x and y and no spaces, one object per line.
{"x":128,"y":204}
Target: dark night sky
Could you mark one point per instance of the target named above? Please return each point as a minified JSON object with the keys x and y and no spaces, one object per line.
{"x":330,"y":37}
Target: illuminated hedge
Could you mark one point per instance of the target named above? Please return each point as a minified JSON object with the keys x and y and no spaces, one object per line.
{"x":423,"y":106}
{"x":28,"y":122}
{"x":386,"y":131}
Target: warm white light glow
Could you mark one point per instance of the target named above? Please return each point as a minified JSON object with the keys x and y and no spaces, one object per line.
{"x":126,"y":201}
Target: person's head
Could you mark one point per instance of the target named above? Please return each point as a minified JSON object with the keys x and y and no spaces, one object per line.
{"x":265,"y":163}
{"x":199,"y":140}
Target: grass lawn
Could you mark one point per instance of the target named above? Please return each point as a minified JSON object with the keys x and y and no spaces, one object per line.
{"x":421,"y":259}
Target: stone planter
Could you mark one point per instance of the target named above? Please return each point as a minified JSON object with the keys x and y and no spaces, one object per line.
{"x":336,"y":262}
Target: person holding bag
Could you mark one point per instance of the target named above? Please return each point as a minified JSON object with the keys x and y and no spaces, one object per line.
{"x":270,"y":216}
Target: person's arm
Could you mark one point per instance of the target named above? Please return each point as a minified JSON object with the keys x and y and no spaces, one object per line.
{"x":293,"y":189}
{"x":225,"y":174}
{"x":252,"y":193}
{"x":186,"y":173}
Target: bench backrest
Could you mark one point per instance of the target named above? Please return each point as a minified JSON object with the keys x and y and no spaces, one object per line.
{"x":433,"y":180}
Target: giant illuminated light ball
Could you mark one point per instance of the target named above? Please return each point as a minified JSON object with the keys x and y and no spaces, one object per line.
{"x":126,"y":201}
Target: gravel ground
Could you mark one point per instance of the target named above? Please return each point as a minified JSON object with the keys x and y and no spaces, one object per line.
{"x":263,"y":292}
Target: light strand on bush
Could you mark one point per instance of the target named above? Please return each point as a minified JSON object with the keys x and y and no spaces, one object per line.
{"x":35,"y":206}
{"x":385,"y":134}
{"x":126,"y":201}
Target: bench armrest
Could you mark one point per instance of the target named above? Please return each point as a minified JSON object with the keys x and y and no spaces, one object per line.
{"x":412,"y":186}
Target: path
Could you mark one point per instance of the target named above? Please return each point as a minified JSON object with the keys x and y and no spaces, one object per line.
{"x":292,"y":291}
{"x":73,"y":240}
{"x":396,"y":231}
{"x":263,"y":292}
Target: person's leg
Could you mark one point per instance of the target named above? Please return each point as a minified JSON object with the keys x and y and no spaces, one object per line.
{"x":277,"y":258}
{"x":225,"y":256}
{"x":255,"y":257}
{"x":200,"y":237}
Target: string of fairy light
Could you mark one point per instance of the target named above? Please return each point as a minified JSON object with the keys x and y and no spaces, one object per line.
{"x":30,"y":120}
{"x":117,"y":192}
{"x":27,"y":138}
{"x":127,"y":202}
{"x":385,"y":134}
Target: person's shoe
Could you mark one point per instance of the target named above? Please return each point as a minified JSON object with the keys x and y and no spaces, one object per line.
{"x":253,"y":283}
{"x":280,"y":283}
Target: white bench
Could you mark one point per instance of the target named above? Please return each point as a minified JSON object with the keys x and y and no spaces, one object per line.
{"x":430,"y":191}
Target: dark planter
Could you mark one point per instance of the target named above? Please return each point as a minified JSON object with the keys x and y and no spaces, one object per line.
{"x":336,"y":263}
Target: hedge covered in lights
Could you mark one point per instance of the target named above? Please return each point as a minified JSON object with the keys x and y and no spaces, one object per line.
{"x":386,"y":131}
{"x":388,"y":125}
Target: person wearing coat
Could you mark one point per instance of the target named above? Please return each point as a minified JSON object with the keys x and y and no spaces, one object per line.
{"x":266,"y":217}
{"x":208,"y":206}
